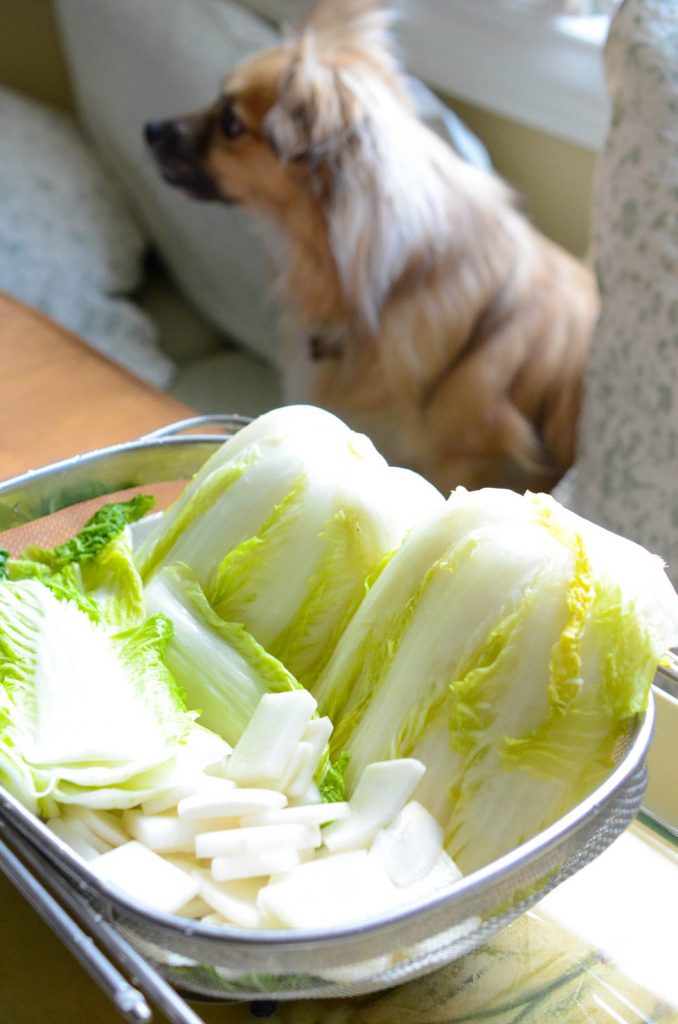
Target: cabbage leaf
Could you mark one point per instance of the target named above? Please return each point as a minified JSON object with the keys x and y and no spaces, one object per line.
{"x":222,"y":669}
{"x":81,"y":708}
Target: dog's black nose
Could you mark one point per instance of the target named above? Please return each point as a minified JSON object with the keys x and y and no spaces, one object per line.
{"x":161,"y":132}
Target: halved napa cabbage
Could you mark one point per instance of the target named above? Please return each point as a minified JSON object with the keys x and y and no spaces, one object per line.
{"x":506,"y":645}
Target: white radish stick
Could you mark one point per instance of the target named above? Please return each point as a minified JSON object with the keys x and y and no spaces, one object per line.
{"x":164,"y":833}
{"x":244,"y":842}
{"x":200,"y":784}
{"x":267,"y":745}
{"x":314,"y":742}
{"x":382,"y":791}
{"x":443,"y":873}
{"x":231,"y":868}
{"x":234,"y":804}
{"x":301,"y":757}
{"x":145,"y":876}
{"x":82,"y":829}
{"x":335,"y":890}
{"x":410,"y":846}
{"x":103,"y":824}
{"x":304,"y":814}
{"x":235,"y":901}
{"x":72,"y":838}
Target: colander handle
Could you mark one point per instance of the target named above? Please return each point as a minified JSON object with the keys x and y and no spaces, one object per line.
{"x":229,"y":422}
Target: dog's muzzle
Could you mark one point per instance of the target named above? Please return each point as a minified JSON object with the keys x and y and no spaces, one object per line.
{"x":178,"y":146}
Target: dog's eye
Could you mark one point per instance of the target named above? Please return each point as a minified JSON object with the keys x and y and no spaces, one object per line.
{"x":231,"y":125}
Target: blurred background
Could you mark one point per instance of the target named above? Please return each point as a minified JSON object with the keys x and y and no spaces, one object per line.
{"x":176,"y":290}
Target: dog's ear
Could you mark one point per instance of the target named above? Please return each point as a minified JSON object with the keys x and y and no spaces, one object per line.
{"x":318,"y":104}
{"x":312,"y":112}
{"x":365,"y":23}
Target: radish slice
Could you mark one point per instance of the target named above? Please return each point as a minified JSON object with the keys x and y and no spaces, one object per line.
{"x":103,"y":824}
{"x":168,"y":800}
{"x":243,"y":842}
{"x":80,"y":828}
{"x":201,"y":783}
{"x":307,"y":814}
{"x":301,"y":758}
{"x":225,"y":869}
{"x":311,"y":796}
{"x":383,"y":789}
{"x":145,"y":876}
{"x":163,"y":833}
{"x":443,"y":873}
{"x":235,"y":901}
{"x":314,"y":741}
{"x":267,"y":745}
{"x":72,"y":838}
{"x":410,"y":846}
{"x":233,"y":804}
{"x":334,"y":890}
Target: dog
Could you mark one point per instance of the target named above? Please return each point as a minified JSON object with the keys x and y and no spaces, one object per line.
{"x":422,"y":305}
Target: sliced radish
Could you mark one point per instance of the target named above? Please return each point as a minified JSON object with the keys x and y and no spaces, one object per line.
{"x":267,"y":745}
{"x":167,"y":800}
{"x":103,"y":824}
{"x":235,"y":901}
{"x":335,"y":890}
{"x":311,"y":796}
{"x":302,"y":756}
{"x":382,"y":791}
{"x":231,"y":804}
{"x":410,"y":846}
{"x":443,"y":873}
{"x":313,"y":742}
{"x":229,"y":868}
{"x":243,"y":842}
{"x":82,"y":829}
{"x":145,"y":876}
{"x":163,"y":833}
{"x":72,"y":838}
{"x":201,"y":783}
{"x":306,"y":814}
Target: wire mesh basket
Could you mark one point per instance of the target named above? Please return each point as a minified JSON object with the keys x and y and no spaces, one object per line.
{"x":47,"y":505}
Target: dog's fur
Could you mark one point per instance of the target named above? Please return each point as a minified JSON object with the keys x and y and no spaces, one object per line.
{"x":427,"y":311}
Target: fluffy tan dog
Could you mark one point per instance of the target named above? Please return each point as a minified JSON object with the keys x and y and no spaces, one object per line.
{"x":425,"y":309}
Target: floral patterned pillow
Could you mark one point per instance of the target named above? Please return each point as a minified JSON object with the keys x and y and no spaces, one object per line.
{"x":68,"y":243}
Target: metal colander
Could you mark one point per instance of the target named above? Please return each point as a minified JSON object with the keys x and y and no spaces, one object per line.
{"x":45,"y":507}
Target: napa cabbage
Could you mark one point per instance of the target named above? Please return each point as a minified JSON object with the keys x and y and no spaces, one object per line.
{"x":286,"y":526}
{"x":506,"y":645}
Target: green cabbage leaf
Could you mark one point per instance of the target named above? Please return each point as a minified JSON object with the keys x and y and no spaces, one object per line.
{"x":84,"y":711}
{"x":95,"y":568}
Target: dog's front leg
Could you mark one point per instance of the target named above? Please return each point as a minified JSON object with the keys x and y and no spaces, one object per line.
{"x":308,"y":355}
